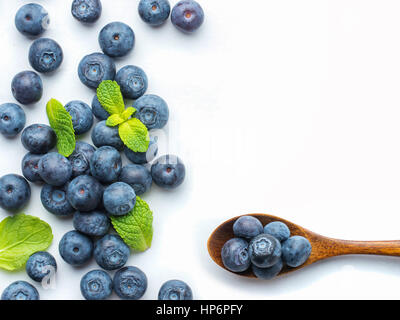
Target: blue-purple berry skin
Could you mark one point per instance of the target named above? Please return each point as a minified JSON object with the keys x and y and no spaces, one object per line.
{"x":132,"y":81}
{"x":20,"y":290}
{"x":99,"y":112}
{"x":32,"y":20}
{"x":55,"y":169}
{"x":111,"y":252}
{"x":38,"y":138}
{"x":80,"y":158}
{"x":95,"y":68}
{"x":264,"y":250}
{"x":152,"y":110}
{"x":278,"y":230}
{"x":15,"y":192}
{"x":268,"y":273}
{"x":130,"y":283}
{"x":143,"y":157}
{"x":86,"y":11}
{"x":96,"y":285}
{"x":85,"y":193}
{"x":103,"y":135}
{"x":175,"y":290}
{"x":295,"y":251}
{"x":94,"y":223}
{"x":45,"y":55}
{"x":12,"y":119}
{"x":119,"y":198}
{"x":54,"y":200}
{"x":116,"y":39}
{"x":168,"y":172}
{"x":82,"y":116}
{"x":247,"y":227}
{"x":106,"y":164}
{"x":187,"y":16}
{"x":138,"y":177}
{"x":39,"y":265}
{"x":235,"y":255}
{"x":27,"y":87}
{"x":30,"y":167}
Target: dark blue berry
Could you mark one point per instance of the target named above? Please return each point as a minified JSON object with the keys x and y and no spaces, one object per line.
{"x":82,"y":117}
{"x":40,"y":265}
{"x":130,"y":283}
{"x":187,"y":16}
{"x":268,"y":273}
{"x":93,"y":223}
{"x":32,"y":20}
{"x":143,"y":157}
{"x":54,"y":200}
{"x":119,"y":198}
{"x":154,"y":12}
{"x":12,"y":119}
{"x":55,"y":169}
{"x":20,"y":290}
{"x":96,"y":285}
{"x":106,"y":164}
{"x":116,"y":39}
{"x":103,"y":135}
{"x":30,"y":167}
{"x":168,"y":171}
{"x":95,"y":68}
{"x":111,"y":252}
{"x":278,"y":230}
{"x":38,"y":138}
{"x":295,"y":251}
{"x":247,"y":227}
{"x":27,"y":87}
{"x":87,"y":11}
{"x":175,"y":290}
{"x":132,"y":81}
{"x":84,"y":193}
{"x":138,"y":177}
{"x":80,"y":158}
{"x":75,"y":248}
{"x":99,"y":112}
{"x":15,"y":192}
{"x":264,"y":250}
{"x":235,"y":255}
{"x":45,"y":55}
{"x":152,"y":111}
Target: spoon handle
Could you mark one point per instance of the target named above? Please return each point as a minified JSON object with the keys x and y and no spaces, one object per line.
{"x":336,"y":247}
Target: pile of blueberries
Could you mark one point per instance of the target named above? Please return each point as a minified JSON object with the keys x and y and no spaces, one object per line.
{"x":266,"y":249}
{"x":91,"y":184}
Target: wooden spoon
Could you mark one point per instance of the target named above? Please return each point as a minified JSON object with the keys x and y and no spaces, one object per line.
{"x":322,"y":247}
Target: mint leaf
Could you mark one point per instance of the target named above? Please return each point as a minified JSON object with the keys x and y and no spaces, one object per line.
{"x":134,"y":135}
{"x":110,"y":97}
{"x":118,"y":118}
{"x":61,"y":122}
{"x":136,"y":228}
{"x":21,"y":236}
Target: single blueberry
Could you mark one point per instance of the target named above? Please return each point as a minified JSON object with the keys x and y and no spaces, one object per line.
{"x":38,"y":138}
{"x":39,"y":265}
{"x":152,"y":111}
{"x":45,"y":55}
{"x":15,"y":192}
{"x":55,"y":169}
{"x":175,"y":290}
{"x":106,"y":164}
{"x":116,"y":39}
{"x":264,"y":250}
{"x":168,"y":171}
{"x":187,"y":16}
{"x":143,"y":157}
{"x":103,"y":135}
{"x":20,"y":290}
{"x":27,"y":87}
{"x":32,"y":20}
{"x":75,"y":248}
{"x":99,"y":112}
{"x":84,"y":193}
{"x":80,"y":158}
{"x":295,"y":251}
{"x":247,"y":227}
{"x":82,"y":116}
{"x":138,"y":177}
{"x":235,"y":255}
{"x":12,"y":119}
{"x":130,"y":283}
{"x":278,"y":230}
{"x":111,"y":252}
{"x":132,"y":81}
{"x":268,"y":273}
{"x":93,"y":223}
{"x":154,"y":12}
{"x":30,"y":167}
{"x":87,"y":11}
{"x":119,"y":198}
{"x":95,"y":68}
{"x":96,"y":285}
{"x":54,"y":199}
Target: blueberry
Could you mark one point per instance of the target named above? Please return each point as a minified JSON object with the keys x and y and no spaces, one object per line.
{"x":30,"y":167}
{"x":20,"y":290}
{"x":32,"y":19}
{"x":168,"y":171}
{"x":27,"y":87}
{"x":268,"y":273}
{"x":106,"y":164}
{"x":95,"y":68}
{"x":264,"y":250}
{"x":45,"y":55}
{"x":94,"y":223}
{"x":87,"y":11}
{"x":55,"y":169}
{"x":143,"y":157}
{"x":247,"y":227}
{"x":111,"y":252}
{"x":38,"y":138}
{"x":133,"y":81}
{"x":138,"y":177}
{"x":295,"y":251}
{"x":82,"y":116}
{"x":54,"y":200}
{"x":187,"y":16}
{"x":15,"y":192}
{"x":235,"y":255}
{"x":175,"y":290}
{"x":12,"y":119}
{"x":75,"y":248}
{"x":96,"y":285}
{"x":278,"y":230}
{"x":84,"y":193}
{"x":99,"y":112}
{"x":116,"y":39}
{"x":80,"y":158}
{"x":119,"y":198}
{"x":39,"y":265}
{"x":130,"y":283}
{"x":152,"y":111}
{"x":154,"y":12}
{"x":103,"y":135}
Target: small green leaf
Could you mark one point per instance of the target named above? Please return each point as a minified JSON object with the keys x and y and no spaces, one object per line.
{"x":20,"y":236}
{"x":128,"y":113}
{"x":110,"y":97}
{"x":134,"y":135}
{"x":136,"y":228}
{"x":61,"y":122}
{"x":114,"y":120}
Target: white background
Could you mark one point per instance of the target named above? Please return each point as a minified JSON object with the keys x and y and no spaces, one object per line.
{"x":285,"y":107}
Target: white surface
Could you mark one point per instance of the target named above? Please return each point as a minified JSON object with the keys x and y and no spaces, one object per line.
{"x":285,"y":107}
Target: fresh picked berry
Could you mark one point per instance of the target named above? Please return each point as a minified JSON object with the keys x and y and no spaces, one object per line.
{"x":95,"y":68}
{"x":27,"y":87}
{"x":75,"y":248}
{"x":32,"y":20}
{"x":38,"y":138}
{"x":175,"y":290}
{"x":268,"y":273}
{"x":154,"y":12}
{"x":264,"y":250}
{"x":138,"y":177}
{"x":103,"y":135}
{"x":130,"y":283}
{"x":116,"y":39}
{"x":152,"y":111}
{"x":278,"y":230}
{"x":96,"y":285}
{"x":87,"y":11}
{"x":94,"y":223}
{"x":132,"y":81}
{"x":106,"y":164}
{"x":20,"y":290}
{"x":119,"y":198}
{"x":99,"y":112}
{"x":80,"y":158}
{"x":12,"y":119}
{"x":15,"y":192}
{"x":168,"y":171}
{"x":45,"y":55}
{"x":54,"y":199}
{"x":55,"y":169}
{"x":143,"y":157}
{"x":82,"y":116}
{"x":247,"y":227}
{"x":187,"y":16}
{"x":40,"y":265}
{"x":295,"y":251}
{"x":235,"y":255}
{"x":30,"y":167}
{"x":111,"y":252}
{"x":84,"y":193}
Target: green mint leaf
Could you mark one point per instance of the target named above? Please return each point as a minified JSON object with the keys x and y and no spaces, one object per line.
{"x":134,"y":135}
{"x":110,"y":97}
{"x":136,"y":228}
{"x":128,"y":113}
{"x":61,"y":122}
{"x":20,"y":236}
{"x":116,"y":119}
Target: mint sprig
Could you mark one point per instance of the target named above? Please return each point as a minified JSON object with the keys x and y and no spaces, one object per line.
{"x":133,"y":133}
